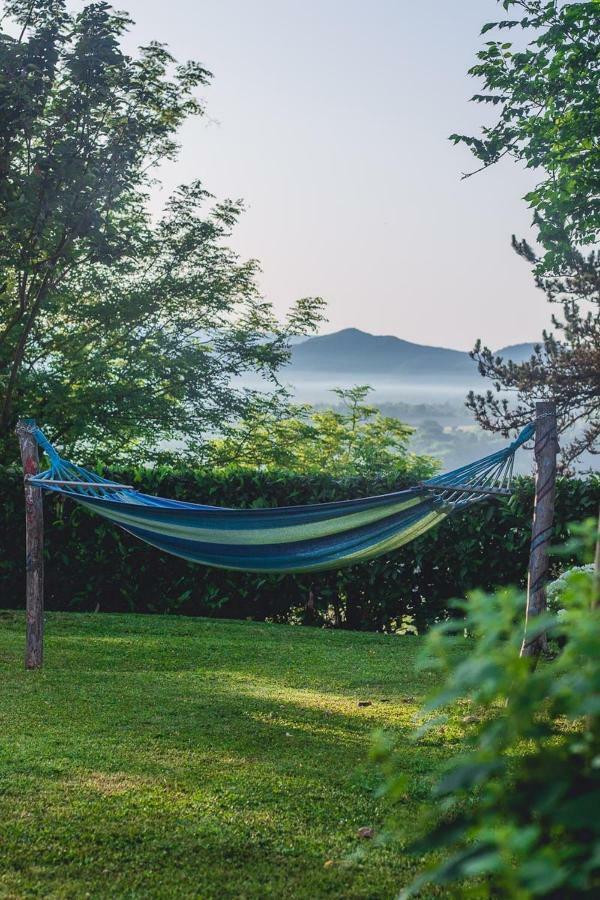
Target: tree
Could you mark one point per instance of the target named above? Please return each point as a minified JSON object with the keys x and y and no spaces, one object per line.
{"x":115,"y":329}
{"x":547,"y":96}
{"x":356,"y":440}
{"x":565,"y":369}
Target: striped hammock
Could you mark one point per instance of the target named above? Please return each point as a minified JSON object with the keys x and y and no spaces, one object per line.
{"x":283,"y":539}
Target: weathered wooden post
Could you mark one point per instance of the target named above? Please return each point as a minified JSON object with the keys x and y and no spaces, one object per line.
{"x":34,"y":547}
{"x":546,"y":446}
{"x":596,"y":588}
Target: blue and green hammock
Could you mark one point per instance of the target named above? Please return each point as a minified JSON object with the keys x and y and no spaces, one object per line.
{"x":283,"y":539}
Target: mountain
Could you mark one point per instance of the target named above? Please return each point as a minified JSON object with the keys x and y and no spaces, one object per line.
{"x":354,"y":352}
{"x":517,"y":352}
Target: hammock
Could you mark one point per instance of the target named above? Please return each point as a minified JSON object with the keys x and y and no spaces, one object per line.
{"x":282,"y":539}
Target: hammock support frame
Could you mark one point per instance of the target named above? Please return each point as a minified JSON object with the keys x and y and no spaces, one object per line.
{"x":447,"y":493}
{"x":34,"y":547}
{"x":467,"y":489}
{"x":106,"y":486}
{"x":542,"y":527}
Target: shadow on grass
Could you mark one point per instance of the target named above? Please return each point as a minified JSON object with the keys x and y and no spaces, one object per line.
{"x":217,"y":763}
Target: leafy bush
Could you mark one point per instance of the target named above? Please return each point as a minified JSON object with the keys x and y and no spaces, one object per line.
{"x":517,"y":808}
{"x":561,"y":585}
{"x":91,"y":563}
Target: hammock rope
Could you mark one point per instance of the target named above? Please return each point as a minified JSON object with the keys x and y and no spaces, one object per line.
{"x":282,"y":539}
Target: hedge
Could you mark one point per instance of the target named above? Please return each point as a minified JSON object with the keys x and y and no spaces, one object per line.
{"x":92,"y":565}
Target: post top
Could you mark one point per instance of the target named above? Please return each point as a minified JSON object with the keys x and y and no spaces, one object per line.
{"x":25,"y":426}
{"x":545,"y":406}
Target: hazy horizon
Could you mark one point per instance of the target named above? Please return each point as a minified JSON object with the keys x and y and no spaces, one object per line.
{"x":331,"y":120}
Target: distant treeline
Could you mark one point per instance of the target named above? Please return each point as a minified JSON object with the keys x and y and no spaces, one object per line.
{"x":93,"y":565}
{"x":415,"y":412}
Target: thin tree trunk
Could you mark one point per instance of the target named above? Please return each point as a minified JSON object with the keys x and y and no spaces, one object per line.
{"x":309,"y":607}
{"x":20,"y":353}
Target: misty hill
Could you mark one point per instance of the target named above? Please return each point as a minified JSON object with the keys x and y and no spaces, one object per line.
{"x":517,"y":352}
{"x":352,"y":351}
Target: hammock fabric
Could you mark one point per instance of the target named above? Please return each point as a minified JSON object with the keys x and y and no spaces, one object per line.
{"x":282,"y":539}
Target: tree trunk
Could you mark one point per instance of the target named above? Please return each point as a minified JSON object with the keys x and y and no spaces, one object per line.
{"x":354,"y":610}
{"x":546,"y":446}
{"x":309,"y":607}
{"x":34,"y":549}
{"x":18,"y":357}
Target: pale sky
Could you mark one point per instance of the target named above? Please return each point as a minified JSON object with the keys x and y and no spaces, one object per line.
{"x":330,"y":119}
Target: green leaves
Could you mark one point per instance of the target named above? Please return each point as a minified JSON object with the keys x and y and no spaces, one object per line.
{"x":519,"y":802}
{"x":565,"y":367}
{"x":354,"y":439}
{"x":116,"y":330}
{"x":547,"y":92}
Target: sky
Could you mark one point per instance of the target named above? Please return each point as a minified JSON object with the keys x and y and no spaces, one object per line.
{"x":330,"y":118}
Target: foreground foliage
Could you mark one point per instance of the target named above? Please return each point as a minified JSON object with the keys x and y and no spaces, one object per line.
{"x":169,"y":757}
{"x":91,"y":563}
{"x":518,"y":806}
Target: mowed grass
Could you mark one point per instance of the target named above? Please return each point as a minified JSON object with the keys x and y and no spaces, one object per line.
{"x":159,"y":756}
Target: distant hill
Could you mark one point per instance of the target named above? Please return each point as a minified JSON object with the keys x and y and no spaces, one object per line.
{"x":517,"y":352}
{"x":354,"y":352}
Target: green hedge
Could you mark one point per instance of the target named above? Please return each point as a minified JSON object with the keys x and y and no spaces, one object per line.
{"x":93,"y":565}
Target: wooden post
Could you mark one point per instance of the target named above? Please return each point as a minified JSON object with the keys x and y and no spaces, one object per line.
{"x":596,"y":588}
{"x":34,"y":548}
{"x":546,"y":446}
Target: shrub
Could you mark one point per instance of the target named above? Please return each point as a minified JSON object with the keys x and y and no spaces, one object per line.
{"x":517,"y":807}
{"x":561,"y":585}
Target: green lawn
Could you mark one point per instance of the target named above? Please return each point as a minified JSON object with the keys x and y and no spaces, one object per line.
{"x":174,"y":757}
